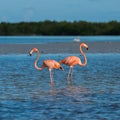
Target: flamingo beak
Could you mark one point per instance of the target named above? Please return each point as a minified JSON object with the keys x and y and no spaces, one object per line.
{"x":87,"y":48}
{"x":30,"y":54}
{"x":61,"y":68}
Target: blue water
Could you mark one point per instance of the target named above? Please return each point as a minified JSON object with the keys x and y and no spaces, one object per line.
{"x":25,"y":93}
{"x":48,"y":39}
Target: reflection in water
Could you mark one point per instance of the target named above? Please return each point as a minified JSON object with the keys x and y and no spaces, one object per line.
{"x":94,"y":94}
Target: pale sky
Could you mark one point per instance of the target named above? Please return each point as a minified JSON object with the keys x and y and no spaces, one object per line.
{"x":59,"y":10}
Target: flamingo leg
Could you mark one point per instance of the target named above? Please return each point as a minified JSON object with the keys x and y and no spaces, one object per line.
{"x":69,"y":77}
{"x":51,"y":78}
{"x":71,"y":74}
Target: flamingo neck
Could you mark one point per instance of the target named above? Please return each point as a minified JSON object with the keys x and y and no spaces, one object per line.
{"x":85,"y":59}
{"x":36,"y":61}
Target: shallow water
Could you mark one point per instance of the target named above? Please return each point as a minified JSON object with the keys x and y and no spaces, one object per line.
{"x":53,"y":39}
{"x":26,"y":94}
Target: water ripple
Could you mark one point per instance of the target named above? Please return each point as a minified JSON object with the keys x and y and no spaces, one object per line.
{"x":26,"y":94}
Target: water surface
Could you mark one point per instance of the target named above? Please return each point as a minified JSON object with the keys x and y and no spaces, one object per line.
{"x":49,"y":39}
{"x":25,"y":93}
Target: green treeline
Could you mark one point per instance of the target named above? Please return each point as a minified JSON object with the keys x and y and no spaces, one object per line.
{"x":60,"y":28}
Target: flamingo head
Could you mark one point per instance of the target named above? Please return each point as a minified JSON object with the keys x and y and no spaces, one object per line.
{"x":33,"y":50}
{"x":84,"y":45}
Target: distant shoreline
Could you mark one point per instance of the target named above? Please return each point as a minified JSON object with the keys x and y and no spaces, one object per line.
{"x":49,"y":27}
{"x":55,"y":48}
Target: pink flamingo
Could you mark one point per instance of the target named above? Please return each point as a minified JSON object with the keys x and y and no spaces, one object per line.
{"x":73,"y":60}
{"x":50,"y":64}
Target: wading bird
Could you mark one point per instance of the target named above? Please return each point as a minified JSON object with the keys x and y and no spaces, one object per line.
{"x":74,"y":60}
{"x":50,"y":64}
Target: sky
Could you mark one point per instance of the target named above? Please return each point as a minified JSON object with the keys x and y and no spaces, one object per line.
{"x":59,"y":10}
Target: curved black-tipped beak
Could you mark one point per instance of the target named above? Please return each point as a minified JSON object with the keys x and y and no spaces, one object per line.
{"x":61,"y":68}
{"x":30,"y":54}
{"x":87,"y":48}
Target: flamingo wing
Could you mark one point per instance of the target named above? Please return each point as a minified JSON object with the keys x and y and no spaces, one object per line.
{"x":70,"y":60}
{"x":52,"y":64}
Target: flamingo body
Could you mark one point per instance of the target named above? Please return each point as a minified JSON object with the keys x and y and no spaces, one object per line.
{"x":71,"y":61}
{"x":51,"y":64}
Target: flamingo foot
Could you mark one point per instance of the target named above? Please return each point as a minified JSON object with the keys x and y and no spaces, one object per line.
{"x":52,"y":83}
{"x":69,"y":80}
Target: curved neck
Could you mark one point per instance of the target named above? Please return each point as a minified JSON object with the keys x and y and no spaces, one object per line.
{"x":85,"y":59}
{"x":35,"y":63}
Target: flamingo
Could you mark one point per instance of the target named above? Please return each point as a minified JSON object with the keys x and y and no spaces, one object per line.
{"x":50,"y":64}
{"x":74,"y":60}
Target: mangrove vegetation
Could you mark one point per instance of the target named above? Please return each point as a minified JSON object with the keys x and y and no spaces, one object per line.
{"x":60,"y":28}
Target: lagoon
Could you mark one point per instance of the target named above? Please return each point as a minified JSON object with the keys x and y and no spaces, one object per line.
{"x":54,"y":39}
{"x":25,"y":93}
